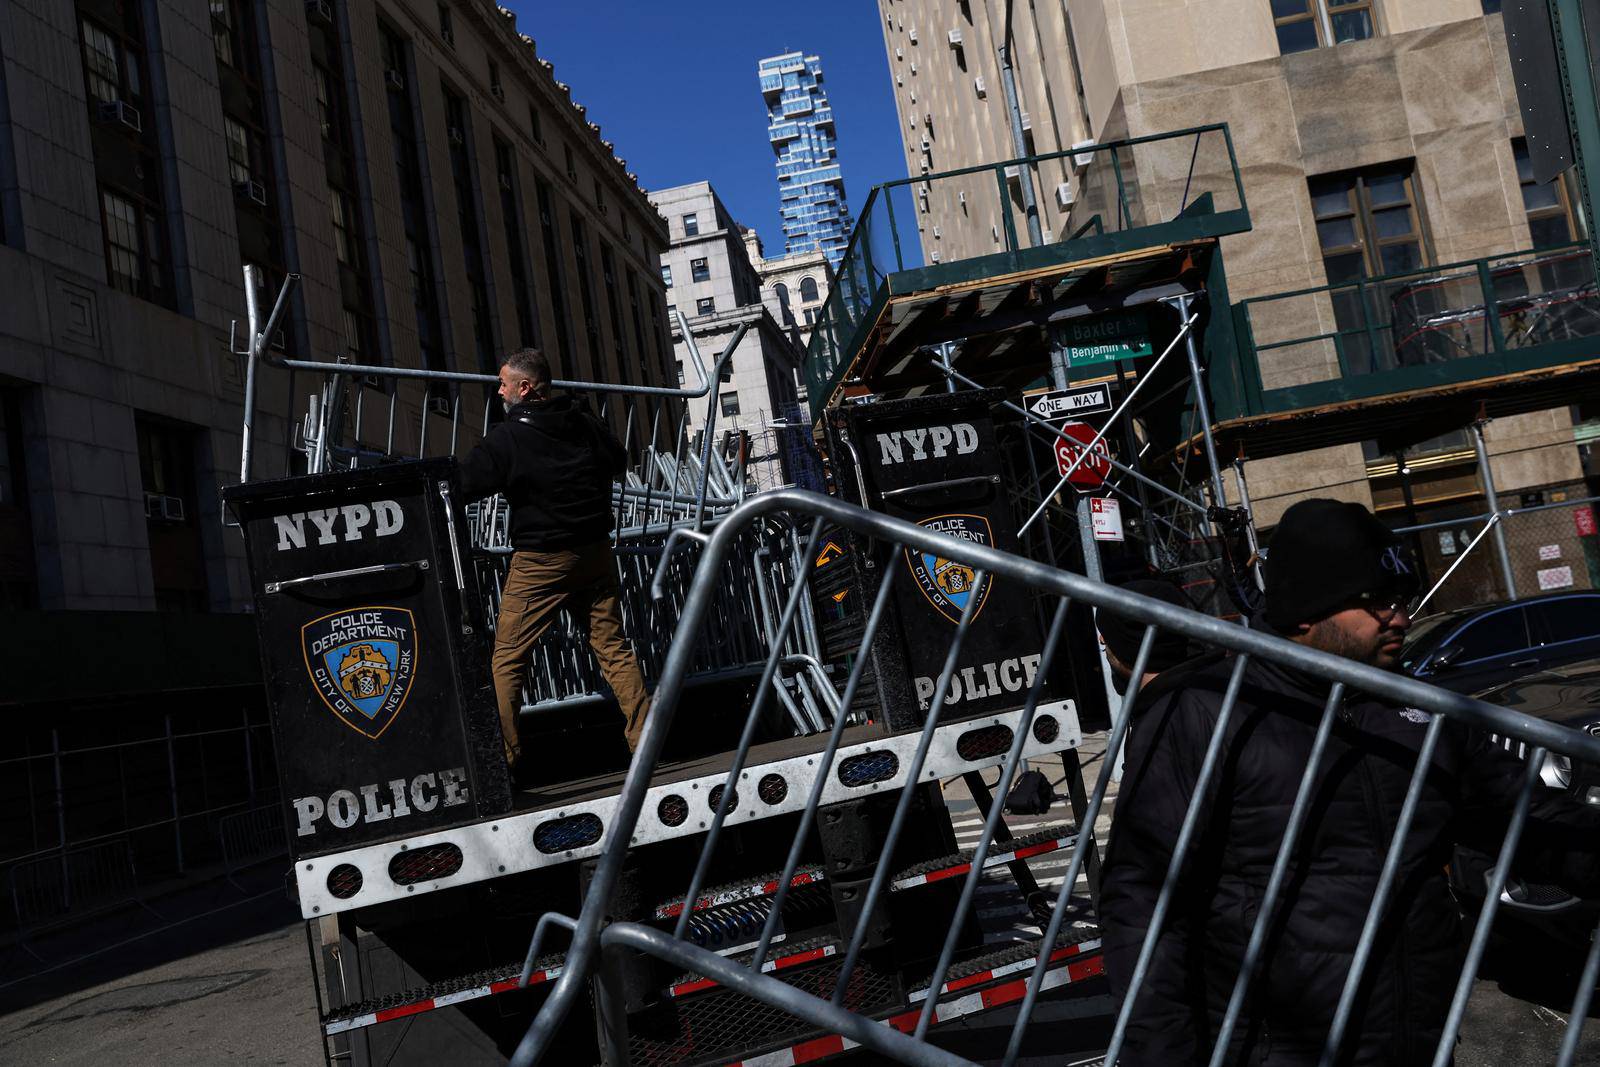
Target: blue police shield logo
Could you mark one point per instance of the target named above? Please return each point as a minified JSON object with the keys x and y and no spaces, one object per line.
{"x":946,"y":583}
{"x":362,"y":662}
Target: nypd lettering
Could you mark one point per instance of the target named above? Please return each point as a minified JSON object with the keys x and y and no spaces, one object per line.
{"x":947,"y":583}
{"x":381,"y":801}
{"x":362,"y":662}
{"x":926,"y":442}
{"x":351,"y":522}
{"x":985,"y":680}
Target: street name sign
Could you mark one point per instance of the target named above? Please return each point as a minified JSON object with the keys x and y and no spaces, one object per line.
{"x":1069,"y":403}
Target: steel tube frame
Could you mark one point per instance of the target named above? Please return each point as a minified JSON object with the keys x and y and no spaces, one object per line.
{"x":1487,"y":474}
{"x":995,"y":564}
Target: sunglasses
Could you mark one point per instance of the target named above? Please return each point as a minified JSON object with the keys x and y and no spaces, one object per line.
{"x":1385,"y":606}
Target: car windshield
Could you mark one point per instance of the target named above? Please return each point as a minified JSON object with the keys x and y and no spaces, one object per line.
{"x":1425,"y":635}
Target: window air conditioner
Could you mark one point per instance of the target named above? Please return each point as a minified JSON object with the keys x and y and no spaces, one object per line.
{"x":319,"y":11}
{"x":1027,"y":121}
{"x":980,"y":88}
{"x":913,"y":68}
{"x":1064,"y":195}
{"x":172,"y":508}
{"x":955,"y":37}
{"x":926,"y":144}
{"x":961,"y":197}
{"x":456,"y":136}
{"x":937,"y":233}
{"x":499,"y":92}
{"x":123,"y":113}
{"x":395,"y":80}
{"x":505,"y":181}
{"x":994,"y":231}
{"x":152,"y":505}
{"x":449,"y":37}
{"x":911,"y":35}
{"x":1082,"y":159}
{"x":899,"y":53}
{"x":251,"y":190}
{"x":934,"y":256}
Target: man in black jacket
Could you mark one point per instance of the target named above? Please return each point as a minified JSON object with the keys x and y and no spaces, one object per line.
{"x":1337,"y":580}
{"x":555,"y":462}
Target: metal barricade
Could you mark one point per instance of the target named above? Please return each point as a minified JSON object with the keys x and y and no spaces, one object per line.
{"x":72,"y":884}
{"x":252,"y":836}
{"x":904,"y":1037}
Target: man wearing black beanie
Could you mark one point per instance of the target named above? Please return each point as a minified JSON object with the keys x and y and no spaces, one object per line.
{"x":1337,"y":580}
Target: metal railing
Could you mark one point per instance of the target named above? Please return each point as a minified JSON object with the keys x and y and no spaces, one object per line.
{"x":903,"y":1037}
{"x":1085,"y":194}
{"x":357,"y":415}
{"x":1474,"y":318}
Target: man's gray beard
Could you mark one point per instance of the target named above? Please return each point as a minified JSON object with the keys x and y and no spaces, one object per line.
{"x":508,"y":405}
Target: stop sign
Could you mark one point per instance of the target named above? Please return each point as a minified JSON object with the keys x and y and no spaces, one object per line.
{"x":1095,"y":468}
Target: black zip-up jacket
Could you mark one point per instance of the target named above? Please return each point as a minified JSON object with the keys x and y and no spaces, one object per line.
{"x":1365,"y":771}
{"x":555,"y":462}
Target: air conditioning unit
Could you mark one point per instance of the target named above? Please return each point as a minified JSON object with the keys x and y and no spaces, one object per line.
{"x":327,"y":131}
{"x":1013,"y":171}
{"x":395,"y":80}
{"x":172,"y":508}
{"x":913,"y":67}
{"x":122,"y":113}
{"x":926,"y":144}
{"x":899,"y":53}
{"x":457,"y":136}
{"x":961,"y":197}
{"x":994,"y":231}
{"x":955,"y":37}
{"x":1082,"y":159}
{"x":152,"y":505}
{"x":319,"y":12}
{"x":505,"y":181}
{"x":980,"y":88}
{"x":449,"y":37}
{"x":499,"y":92}
{"x":439,"y":405}
{"x":898,"y":80}
{"x":934,"y":255}
{"x":911,"y":35}
{"x":1027,"y":121}
{"x":251,"y":190}
{"x":927,"y":118}
{"x":913,"y":96}
{"x":912,"y":122}
{"x":1064,"y":195}
{"x":937,"y":233}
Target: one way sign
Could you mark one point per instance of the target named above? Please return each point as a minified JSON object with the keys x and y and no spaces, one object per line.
{"x":1069,"y":403}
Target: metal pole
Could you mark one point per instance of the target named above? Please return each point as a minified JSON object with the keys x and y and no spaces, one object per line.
{"x":61,"y":814}
{"x":172,"y":784}
{"x":1008,"y":81}
{"x":1095,"y":573}
{"x":1487,"y":475}
{"x":1219,"y":495}
{"x":252,"y":357}
{"x":1250,"y":524}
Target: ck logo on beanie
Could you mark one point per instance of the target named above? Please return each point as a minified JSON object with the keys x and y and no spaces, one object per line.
{"x":1394,"y":561}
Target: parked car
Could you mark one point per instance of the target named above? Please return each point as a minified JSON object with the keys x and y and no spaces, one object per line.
{"x":1472,"y":649}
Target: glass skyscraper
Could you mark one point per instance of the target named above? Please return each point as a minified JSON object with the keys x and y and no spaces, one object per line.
{"x":800,"y":127}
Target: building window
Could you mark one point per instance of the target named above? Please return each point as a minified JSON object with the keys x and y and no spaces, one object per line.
{"x":808,"y":290}
{"x":599,"y":197}
{"x":343,"y":223}
{"x":104,"y":62}
{"x":730,"y":403}
{"x":1368,"y":222}
{"x":699,"y":270}
{"x":535,"y":124}
{"x":550,"y":231}
{"x":691,"y":225}
{"x":680,"y":372}
{"x":572,"y":162}
{"x":169,"y":475}
{"x":505,"y":164}
{"x":705,"y":305}
{"x":1551,"y":220}
{"x":781,"y":291}
{"x":811,"y":316}
{"x":1306,"y":24}
{"x":495,"y":88}
{"x":238,"y":150}
{"x":447,"y":26}
{"x":132,"y":246}
{"x":666,"y":275}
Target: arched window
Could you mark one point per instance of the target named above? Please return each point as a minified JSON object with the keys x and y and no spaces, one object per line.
{"x":781,"y":291}
{"x":808,"y":290}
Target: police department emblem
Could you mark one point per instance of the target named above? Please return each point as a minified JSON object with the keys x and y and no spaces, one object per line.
{"x":947,"y":584}
{"x":361,"y":662}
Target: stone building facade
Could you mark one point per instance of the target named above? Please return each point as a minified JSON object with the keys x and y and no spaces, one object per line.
{"x":712,"y":282}
{"x":1372,"y":137}
{"x":441,"y":195}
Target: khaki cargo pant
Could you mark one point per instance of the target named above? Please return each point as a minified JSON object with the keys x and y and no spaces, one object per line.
{"x":538,"y":584}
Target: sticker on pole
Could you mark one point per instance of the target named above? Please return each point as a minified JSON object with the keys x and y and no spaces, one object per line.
{"x":1105,"y":518}
{"x":1096,"y":466}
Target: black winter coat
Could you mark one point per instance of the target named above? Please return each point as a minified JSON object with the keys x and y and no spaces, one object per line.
{"x":555,"y":462}
{"x":1333,"y":875}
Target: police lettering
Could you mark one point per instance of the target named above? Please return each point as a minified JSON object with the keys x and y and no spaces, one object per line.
{"x":986,"y":680}
{"x":930,"y":442}
{"x":381,"y":801}
{"x":384,"y":517}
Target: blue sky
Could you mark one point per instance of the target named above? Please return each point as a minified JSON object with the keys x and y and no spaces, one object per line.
{"x":673,"y":85}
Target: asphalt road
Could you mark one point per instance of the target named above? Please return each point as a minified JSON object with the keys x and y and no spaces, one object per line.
{"x":232,"y":985}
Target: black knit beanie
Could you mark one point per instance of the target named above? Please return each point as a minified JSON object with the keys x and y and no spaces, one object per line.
{"x":1326,"y":553}
{"x":1122,"y":636}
